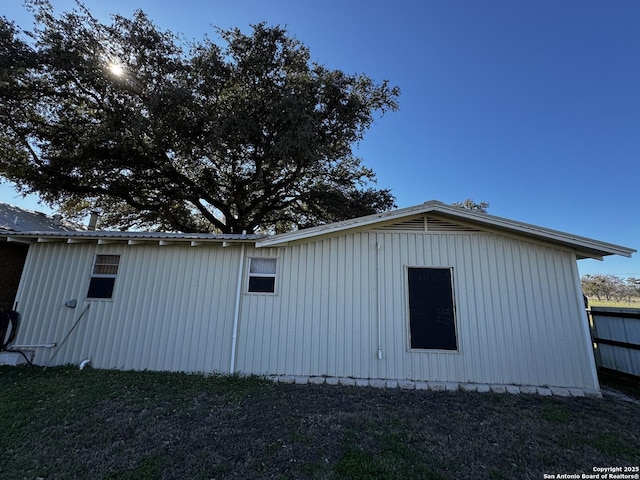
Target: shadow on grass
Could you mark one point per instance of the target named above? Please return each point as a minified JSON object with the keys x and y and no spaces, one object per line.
{"x":101,"y":424}
{"x":627,"y":384}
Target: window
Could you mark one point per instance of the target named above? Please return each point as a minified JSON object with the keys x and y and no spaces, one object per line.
{"x":103,"y":276}
{"x":431,"y":309}
{"x":262,"y":275}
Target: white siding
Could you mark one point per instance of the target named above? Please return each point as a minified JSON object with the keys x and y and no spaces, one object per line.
{"x":518,"y":312}
{"x":172,"y":306}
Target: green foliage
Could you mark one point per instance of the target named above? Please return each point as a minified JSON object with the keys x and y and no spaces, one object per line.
{"x":158,"y":133}
{"x":469,"y":204}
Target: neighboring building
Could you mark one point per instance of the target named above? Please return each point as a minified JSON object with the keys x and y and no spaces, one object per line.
{"x":430,"y":292}
{"x":13,"y":255}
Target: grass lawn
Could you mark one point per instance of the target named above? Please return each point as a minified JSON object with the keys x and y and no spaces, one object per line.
{"x":64,"y":423}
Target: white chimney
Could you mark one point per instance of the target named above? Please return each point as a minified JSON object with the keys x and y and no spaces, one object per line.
{"x":93,"y":220}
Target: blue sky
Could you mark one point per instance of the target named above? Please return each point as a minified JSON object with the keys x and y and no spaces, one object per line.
{"x":533,"y":107}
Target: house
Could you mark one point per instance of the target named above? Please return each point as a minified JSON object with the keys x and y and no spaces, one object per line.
{"x":13,"y":255}
{"x":425,"y":293}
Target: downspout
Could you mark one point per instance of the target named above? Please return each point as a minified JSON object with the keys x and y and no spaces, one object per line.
{"x":379,"y":312}
{"x":236,"y":313}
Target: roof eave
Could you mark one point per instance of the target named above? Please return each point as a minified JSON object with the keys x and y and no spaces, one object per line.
{"x":586,"y":247}
{"x":283,"y":239}
{"x":127,"y":238}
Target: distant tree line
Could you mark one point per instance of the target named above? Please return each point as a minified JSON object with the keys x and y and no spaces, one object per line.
{"x":611,"y":287}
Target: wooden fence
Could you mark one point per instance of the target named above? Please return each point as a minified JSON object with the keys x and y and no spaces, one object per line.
{"x":616,"y":338}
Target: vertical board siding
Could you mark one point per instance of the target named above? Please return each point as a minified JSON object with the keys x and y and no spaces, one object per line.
{"x":172,"y":306}
{"x":518,"y":310}
{"x":518,"y":318}
{"x":323,"y":312}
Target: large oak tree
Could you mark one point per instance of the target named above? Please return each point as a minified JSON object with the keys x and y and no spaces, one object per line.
{"x":245,"y":134}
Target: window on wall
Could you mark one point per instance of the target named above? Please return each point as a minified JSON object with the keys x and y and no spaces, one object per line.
{"x":103,"y":276}
{"x":262,"y":275}
{"x":432,"y":324}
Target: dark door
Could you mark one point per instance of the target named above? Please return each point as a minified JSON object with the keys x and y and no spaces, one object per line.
{"x":431,"y":309}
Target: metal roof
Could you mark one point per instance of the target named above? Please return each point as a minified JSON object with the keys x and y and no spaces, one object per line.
{"x":584,"y":247}
{"x":107,"y":236}
{"x":16,"y":219}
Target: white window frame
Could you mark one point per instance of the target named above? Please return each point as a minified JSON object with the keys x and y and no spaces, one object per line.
{"x":103,"y":275}
{"x":273,"y":275}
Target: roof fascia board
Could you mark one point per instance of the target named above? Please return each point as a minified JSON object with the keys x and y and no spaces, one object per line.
{"x":108,"y":241}
{"x":119,"y":237}
{"x":535,"y":231}
{"x":592,"y":248}
{"x":483,"y":230}
{"x":384,"y":217}
{"x":80,"y":240}
{"x":492,"y":230}
{"x":20,"y":240}
{"x":582,"y":254}
{"x":168,"y":243}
